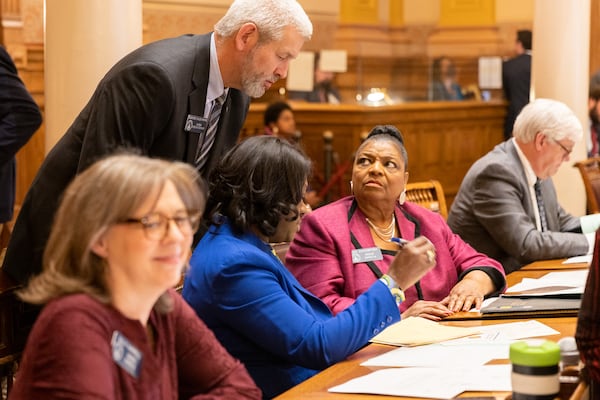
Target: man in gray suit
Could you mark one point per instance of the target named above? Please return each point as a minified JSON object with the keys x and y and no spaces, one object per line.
{"x":160,"y":101}
{"x":497,"y":210}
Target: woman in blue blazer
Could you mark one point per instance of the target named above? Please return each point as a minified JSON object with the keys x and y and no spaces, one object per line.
{"x":243,"y":292}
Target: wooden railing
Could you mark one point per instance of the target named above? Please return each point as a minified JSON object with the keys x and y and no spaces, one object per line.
{"x":443,"y":139}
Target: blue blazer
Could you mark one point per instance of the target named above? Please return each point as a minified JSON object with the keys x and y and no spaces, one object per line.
{"x":264,"y":317}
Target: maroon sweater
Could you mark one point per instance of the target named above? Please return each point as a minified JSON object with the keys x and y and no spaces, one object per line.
{"x":69,"y":356}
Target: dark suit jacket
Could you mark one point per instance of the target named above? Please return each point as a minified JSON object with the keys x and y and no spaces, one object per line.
{"x":516,"y":80}
{"x":142,"y":103}
{"x":493,"y":212}
{"x":20,"y":117}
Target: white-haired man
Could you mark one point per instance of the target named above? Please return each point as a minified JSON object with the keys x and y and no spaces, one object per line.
{"x":507,"y":207}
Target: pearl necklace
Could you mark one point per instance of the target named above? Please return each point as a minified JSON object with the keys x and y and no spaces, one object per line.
{"x":384,"y":234}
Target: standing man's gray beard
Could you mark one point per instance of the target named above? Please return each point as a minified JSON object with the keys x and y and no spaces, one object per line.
{"x":252,"y":88}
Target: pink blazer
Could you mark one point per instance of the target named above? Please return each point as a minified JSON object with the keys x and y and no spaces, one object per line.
{"x":321,"y":255}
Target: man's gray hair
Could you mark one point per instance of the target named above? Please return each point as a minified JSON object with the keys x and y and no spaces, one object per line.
{"x":549,"y":117}
{"x":271,"y":17}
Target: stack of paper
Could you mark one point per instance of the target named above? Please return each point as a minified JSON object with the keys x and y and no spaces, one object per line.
{"x":444,"y":370}
{"x":565,"y":284}
{"x":416,"y":331}
{"x":433,"y":383}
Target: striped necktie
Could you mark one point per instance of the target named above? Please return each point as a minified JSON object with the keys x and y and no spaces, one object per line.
{"x":205,"y":145}
{"x":540,"y":203}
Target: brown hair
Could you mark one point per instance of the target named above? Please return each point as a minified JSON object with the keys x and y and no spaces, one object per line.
{"x":107,"y":192}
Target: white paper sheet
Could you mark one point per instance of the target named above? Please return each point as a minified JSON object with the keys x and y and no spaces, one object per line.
{"x":492,"y":344}
{"x":301,"y":72}
{"x":558,"y":282}
{"x":437,"y":355}
{"x":590,"y":223}
{"x":579,"y":259}
{"x":434,"y":383}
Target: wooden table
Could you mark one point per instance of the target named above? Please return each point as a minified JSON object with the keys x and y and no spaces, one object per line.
{"x":317,"y":386}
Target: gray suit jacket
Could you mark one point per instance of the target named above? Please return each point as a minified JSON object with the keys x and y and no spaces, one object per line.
{"x":493,"y":212}
{"x":142,"y":103}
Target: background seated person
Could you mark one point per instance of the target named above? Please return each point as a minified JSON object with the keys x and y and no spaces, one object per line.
{"x":443,"y":80}
{"x":279,"y":121}
{"x":324,"y":90}
{"x":112,"y":326}
{"x":496,"y":209}
{"x":343,"y":247}
{"x":255,"y":306}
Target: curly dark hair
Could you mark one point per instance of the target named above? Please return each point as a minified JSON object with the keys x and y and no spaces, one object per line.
{"x":274,"y":110}
{"x":259,"y":180}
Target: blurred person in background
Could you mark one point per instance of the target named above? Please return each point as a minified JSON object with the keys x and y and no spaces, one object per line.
{"x":20,"y":117}
{"x":516,"y":80}
{"x":324,"y":90}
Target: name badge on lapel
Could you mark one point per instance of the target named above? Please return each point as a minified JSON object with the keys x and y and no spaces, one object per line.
{"x":366,"y":255}
{"x":125,"y":354}
{"x":195,"y":124}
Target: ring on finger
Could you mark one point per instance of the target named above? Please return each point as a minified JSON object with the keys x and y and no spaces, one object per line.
{"x":430,"y":256}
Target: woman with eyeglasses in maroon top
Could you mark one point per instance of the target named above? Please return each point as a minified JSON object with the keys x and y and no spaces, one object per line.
{"x":112,"y":327}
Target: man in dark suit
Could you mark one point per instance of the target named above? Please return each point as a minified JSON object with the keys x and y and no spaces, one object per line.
{"x":516,"y":80}
{"x":160,"y":100}
{"x":506,"y":206}
{"x":20,"y":117}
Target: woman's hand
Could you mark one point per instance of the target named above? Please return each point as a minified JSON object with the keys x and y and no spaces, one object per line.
{"x":413,"y":261}
{"x":469,"y":292}
{"x":432,"y":310}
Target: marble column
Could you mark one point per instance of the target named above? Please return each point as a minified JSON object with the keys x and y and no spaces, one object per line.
{"x":83,"y":39}
{"x":560,"y":67}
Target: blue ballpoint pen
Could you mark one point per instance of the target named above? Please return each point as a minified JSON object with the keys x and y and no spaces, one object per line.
{"x":401,"y":242}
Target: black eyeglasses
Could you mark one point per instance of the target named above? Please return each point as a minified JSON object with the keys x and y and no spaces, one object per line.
{"x":567,"y":151}
{"x":156,"y":226}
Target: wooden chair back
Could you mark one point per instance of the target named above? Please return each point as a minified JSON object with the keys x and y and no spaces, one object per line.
{"x":428,"y":194}
{"x":590,"y":173}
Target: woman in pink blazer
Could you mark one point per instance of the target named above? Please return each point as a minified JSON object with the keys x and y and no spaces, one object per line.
{"x":343,"y":247}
